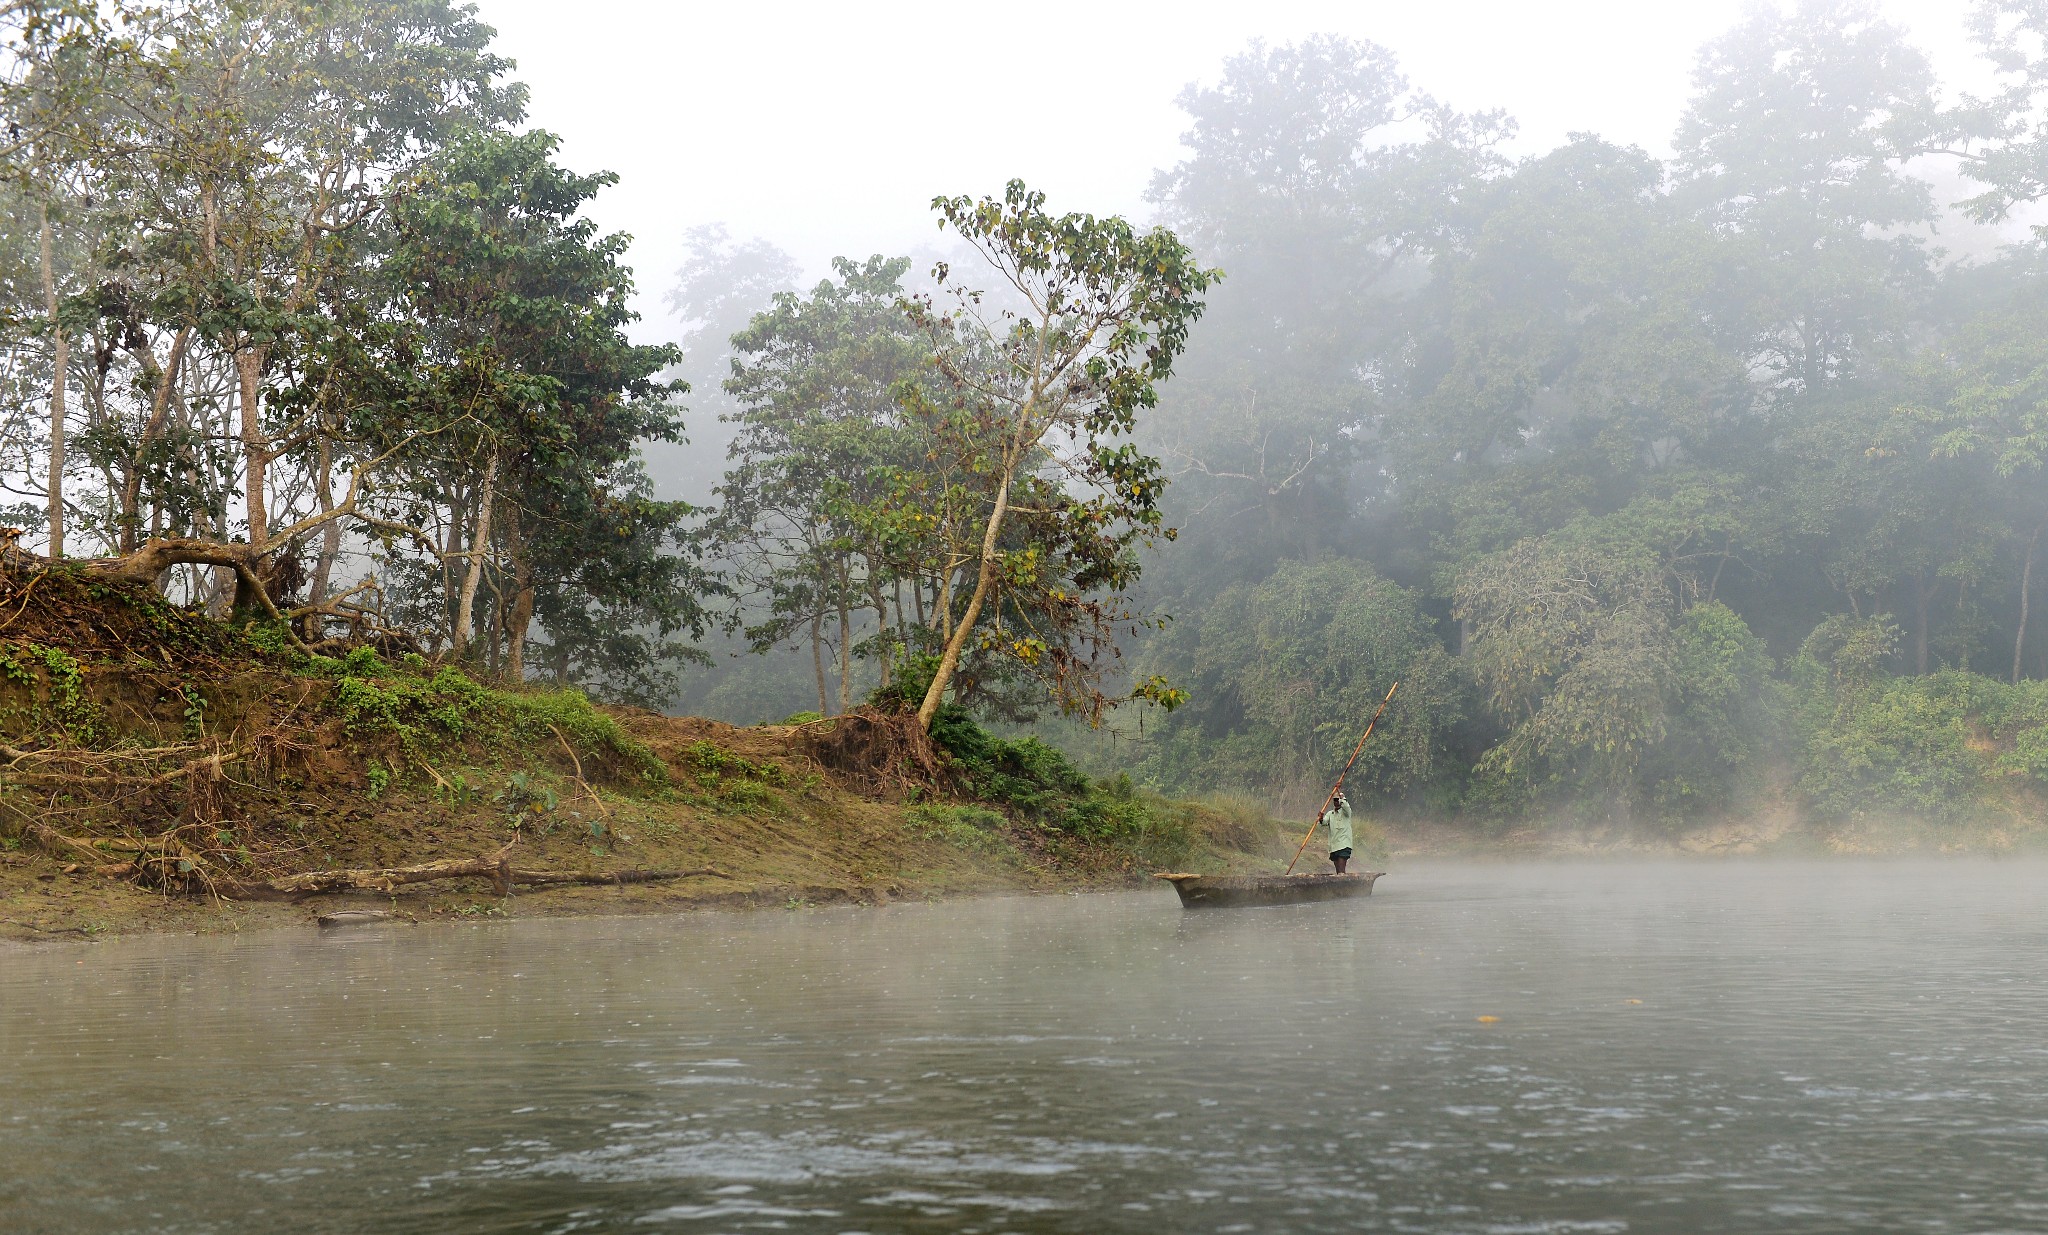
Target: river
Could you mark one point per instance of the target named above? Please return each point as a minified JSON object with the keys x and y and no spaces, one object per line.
{"x":1738,"y":1046}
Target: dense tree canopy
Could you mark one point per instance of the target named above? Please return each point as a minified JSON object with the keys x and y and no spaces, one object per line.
{"x":1627,"y":429}
{"x":1661,"y":483}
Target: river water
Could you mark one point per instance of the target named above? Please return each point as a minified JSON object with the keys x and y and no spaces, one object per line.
{"x":1679,"y":1047}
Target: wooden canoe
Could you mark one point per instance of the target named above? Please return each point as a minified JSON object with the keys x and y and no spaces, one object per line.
{"x":1241,"y":891}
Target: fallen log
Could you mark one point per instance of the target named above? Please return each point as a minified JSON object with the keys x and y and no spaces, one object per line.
{"x":159,"y":863}
{"x":355,"y":917}
{"x":495,"y":867}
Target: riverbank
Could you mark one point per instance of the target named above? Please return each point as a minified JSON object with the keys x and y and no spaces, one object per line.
{"x":742,"y":817}
{"x":161,"y":770}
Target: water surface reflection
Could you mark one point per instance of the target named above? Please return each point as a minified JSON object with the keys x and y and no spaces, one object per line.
{"x":1679,"y":1047}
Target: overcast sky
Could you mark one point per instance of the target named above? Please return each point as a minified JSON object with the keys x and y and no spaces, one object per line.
{"x":828,"y":128}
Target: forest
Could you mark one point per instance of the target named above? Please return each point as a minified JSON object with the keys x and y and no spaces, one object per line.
{"x":1667,"y":488}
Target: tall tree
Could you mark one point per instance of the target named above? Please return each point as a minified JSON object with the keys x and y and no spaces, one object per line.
{"x":822,"y":446}
{"x":515,"y":358}
{"x":1089,"y":318}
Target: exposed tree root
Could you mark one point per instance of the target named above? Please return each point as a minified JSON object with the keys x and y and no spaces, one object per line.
{"x":84,"y":769}
{"x":885,"y":752}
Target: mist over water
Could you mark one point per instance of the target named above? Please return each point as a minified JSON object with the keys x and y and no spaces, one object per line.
{"x":1817,"y":1047}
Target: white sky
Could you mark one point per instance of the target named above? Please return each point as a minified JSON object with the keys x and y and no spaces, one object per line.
{"x":827,"y":128}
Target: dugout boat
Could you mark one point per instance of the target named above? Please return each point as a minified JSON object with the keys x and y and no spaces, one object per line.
{"x":1244,"y":891}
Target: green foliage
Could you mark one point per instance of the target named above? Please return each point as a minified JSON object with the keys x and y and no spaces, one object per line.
{"x":56,"y":680}
{"x":814,"y":515}
{"x":973,"y":828}
{"x":715,"y":765}
{"x":455,"y":790}
{"x":1048,"y":382}
{"x":730,"y":783}
{"x":1284,"y":676}
{"x":1723,"y":718}
{"x":1939,"y":747}
{"x":1040,"y":786}
{"x":1896,"y":747}
{"x":526,"y":799}
{"x":195,"y":711}
{"x":270,"y":637}
{"x":1571,"y":646}
{"x":420,"y":716}
{"x":1026,"y":775}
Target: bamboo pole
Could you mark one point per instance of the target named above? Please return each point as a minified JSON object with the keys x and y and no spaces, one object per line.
{"x":1339,"y":786}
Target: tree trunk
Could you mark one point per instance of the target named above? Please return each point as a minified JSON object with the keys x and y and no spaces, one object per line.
{"x":479,"y":545}
{"x":330,"y":540}
{"x":142,"y":567}
{"x":845,"y":658}
{"x":1921,"y":593}
{"x":163,"y":379}
{"x":818,"y":659}
{"x":255,"y":447}
{"x":60,"y":346}
{"x":887,"y":654}
{"x":1727,"y":551}
{"x":2019,"y":638}
{"x":984,"y":579}
{"x":522,"y":598}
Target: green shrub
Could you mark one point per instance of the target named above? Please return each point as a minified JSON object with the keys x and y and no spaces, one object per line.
{"x":973,"y":828}
{"x":422,"y":716}
{"x":1872,"y":744}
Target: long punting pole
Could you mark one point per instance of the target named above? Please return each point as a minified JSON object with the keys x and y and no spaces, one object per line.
{"x":1339,"y":786}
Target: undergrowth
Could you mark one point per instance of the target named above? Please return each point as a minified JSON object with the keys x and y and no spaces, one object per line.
{"x":1039,"y":785}
{"x":423,"y":713}
{"x":55,"y":683}
{"x":728,"y":783}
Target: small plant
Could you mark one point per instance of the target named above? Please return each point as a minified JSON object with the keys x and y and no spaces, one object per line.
{"x":455,"y":790}
{"x":268,"y":636}
{"x":525,"y":798}
{"x":715,"y":764}
{"x":380,"y":779}
{"x":195,"y":711}
{"x":68,"y":708}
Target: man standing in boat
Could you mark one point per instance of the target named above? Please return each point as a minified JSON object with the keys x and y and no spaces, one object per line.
{"x":1338,"y":820}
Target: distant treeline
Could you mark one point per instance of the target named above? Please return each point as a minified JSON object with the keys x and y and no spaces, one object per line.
{"x":1662,"y":485}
